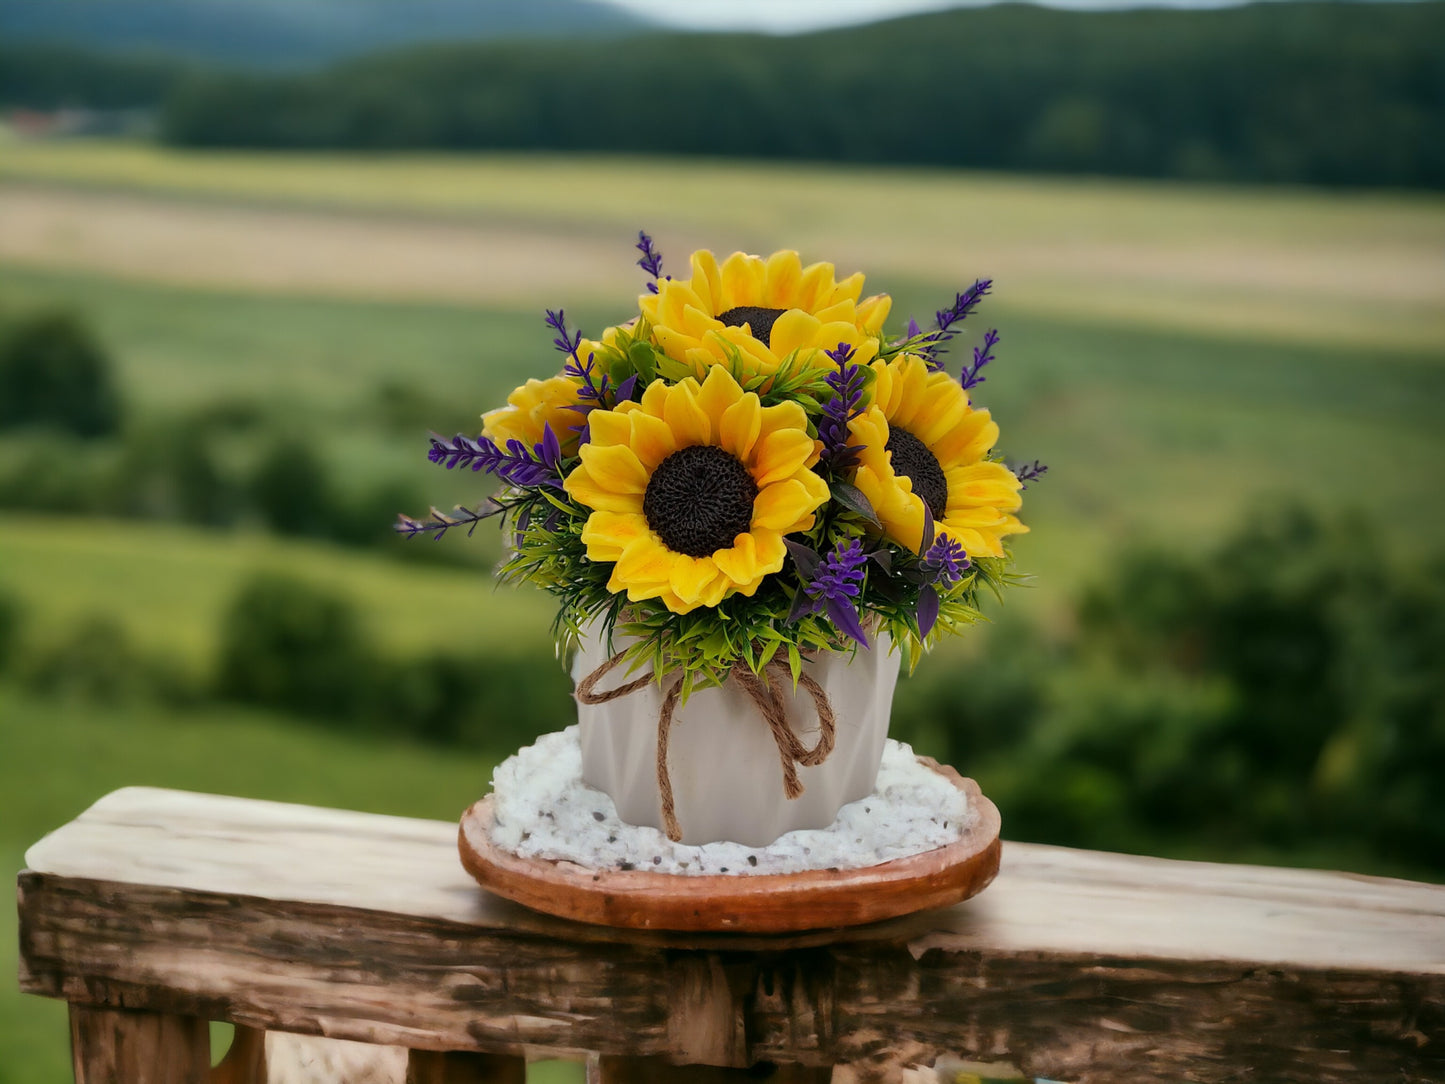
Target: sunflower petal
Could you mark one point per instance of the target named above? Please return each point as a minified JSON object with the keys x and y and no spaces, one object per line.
{"x":718,"y":392}
{"x":691,"y":576}
{"x":652,"y":440}
{"x":815,"y":288}
{"x":616,"y":467}
{"x":795,"y":330}
{"x":740,"y":425}
{"x":607,"y":427}
{"x":781,"y":505}
{"x":582,"y":487}
{"x":686,"y":419}
{"x":783,"y":273}
{"x":706,"y":281}
{"x":742,"y":281}
{"x":645,"y":561}
{"x":781,"y":454}
{"x":608,"y":534}
{"x":740,"y":563}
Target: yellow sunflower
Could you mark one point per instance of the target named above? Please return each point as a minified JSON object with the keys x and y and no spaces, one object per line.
{"x":764,"y":308}
{"x":693,"y":488}
{"x":535,"y":404}
{"x":922,"y":441}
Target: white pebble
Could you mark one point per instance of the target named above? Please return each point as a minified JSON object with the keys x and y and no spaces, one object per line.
{"x":542,"y":809}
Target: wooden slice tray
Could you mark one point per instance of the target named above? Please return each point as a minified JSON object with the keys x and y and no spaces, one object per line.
{"x":760,"y":903}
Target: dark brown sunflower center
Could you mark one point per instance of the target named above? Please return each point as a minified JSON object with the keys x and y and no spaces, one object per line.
{"x":758,"y":319}
{"x":912,"y":459}
{"x":699,"y":500}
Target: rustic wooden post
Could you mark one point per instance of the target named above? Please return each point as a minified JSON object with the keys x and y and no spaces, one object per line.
{"x":245,"y":1062}
{"x":113,"y":1046}
{"x":615,"y":1070}
{"x":448,"y":1067}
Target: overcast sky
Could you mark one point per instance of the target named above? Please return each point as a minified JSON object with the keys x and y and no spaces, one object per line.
{"x":788,"y":16}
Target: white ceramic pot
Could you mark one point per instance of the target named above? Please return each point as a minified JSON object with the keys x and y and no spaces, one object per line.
{"x":727,"y":780}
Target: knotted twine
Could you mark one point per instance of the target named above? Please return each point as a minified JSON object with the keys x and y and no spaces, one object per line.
{"x":766,"y":695}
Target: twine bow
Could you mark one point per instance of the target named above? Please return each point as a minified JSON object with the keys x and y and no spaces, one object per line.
{"x":766,"y":693}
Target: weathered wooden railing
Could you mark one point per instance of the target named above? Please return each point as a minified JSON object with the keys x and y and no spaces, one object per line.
{"x":156,"y":911}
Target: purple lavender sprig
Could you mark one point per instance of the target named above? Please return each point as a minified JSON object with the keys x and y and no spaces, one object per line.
{"x":847,"y":382}
{"x":944,"y":562}
{"x":515,"y":465}
{"x":1030,"y":472}
{"x":651,"y":261}
{"x":565,"y":343}
{"x":963,"y":304}
{"x":982,"y":355}
{"x":442,"y":522}
{"x":835,"y":583}
{"x":594,"y":392}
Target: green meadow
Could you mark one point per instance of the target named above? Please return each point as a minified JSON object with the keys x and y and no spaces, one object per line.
{"x":1179,"y":355}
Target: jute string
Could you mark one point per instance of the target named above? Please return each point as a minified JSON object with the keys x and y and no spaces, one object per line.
{"x":766,"y":694}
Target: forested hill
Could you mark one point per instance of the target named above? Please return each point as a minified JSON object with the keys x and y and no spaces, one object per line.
{"x":293,"y":33}
{"x":1321,"y":93}
{"x":1329,"y":93}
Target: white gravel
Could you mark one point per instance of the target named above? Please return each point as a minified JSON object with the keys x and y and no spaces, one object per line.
{"x":542,"y":809}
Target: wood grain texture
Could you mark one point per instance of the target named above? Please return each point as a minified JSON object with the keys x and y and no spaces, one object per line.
{"x":816,"y":899}
{"x":1074,"y":965}
{"x":112,"y":1046}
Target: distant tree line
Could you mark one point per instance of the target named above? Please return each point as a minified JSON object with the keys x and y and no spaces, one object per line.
{"x":62,"y":76}
{"x":1322,"y":93}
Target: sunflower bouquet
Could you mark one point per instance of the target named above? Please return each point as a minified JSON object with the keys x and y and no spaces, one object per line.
{"x":748,"y":472}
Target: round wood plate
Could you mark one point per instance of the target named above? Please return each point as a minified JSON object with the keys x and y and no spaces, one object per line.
{"x":761,"y":903}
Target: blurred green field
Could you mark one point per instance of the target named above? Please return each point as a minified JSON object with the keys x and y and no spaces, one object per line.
{"x":1282,"y":264}
{"x":169,"y":586}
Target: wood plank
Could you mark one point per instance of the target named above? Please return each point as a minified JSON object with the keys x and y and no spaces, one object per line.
{"x":1075,"y":966}
{"x":111,"y":1046}
{"x":1045,"y":900}
{"x":773,"y":903}
{"x":428,"y":984}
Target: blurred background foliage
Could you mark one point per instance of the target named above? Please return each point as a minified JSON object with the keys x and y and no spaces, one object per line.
{"x":231,"y":309}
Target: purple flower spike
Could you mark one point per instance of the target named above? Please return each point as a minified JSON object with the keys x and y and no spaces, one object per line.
{"x":651,"y":261}
{"x":1030,"y":472}
{"x":982,"y":355}
{"x":565,"y":343}
{"x":516,"y":465}
{"x":847,"y":382}
{"x":963,"y":304}
{"x":836,"y":584}
{"x":946,"y":561}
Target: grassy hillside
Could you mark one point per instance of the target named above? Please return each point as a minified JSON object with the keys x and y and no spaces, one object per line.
{"x":533,"y":230}
{"x":168,"y":586}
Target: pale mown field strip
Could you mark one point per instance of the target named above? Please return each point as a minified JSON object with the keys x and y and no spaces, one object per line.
{"x":1341,"y":268}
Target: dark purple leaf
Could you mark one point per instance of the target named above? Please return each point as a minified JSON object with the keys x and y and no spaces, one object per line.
{"x":845,"y":616}
{"x":927,"y":609}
